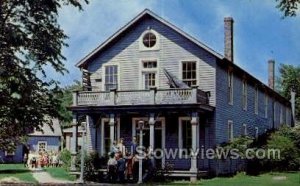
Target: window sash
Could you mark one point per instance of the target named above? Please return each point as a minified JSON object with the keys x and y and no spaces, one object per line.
{"x":186,"y":135}
{"x":189,"y":73}
{"x":150,"y":79}
{"x":266,"y":105}
{"x":111,"y":77}
{"x":230,"y":130}
{"x":149,"y":64}
{"x":256,"y":100}
{"x":230,"y":87}
{"x":244,"y":95}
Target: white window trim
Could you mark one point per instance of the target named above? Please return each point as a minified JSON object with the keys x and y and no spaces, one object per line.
{"x":256,"y":95}
{"x":143,"y":70}
{"x":103,"y":120}
{"x":9,"y":153}
{"x":245,"y":130}
{"x":46,"y":145}
{"x":180,"y":140}
{"x":103,"y":73}
{"x":256,"y":132}
{"x":230,"y":72}
{"x":163,"y":131}
{"x":157,"y":44}
{"x":287,"y":112}
{"x":245,"y":91}
{"x":281,"y":115}
{"x":197,"y":69}
{"x":266,"y":105}
{"x":231,"y":137}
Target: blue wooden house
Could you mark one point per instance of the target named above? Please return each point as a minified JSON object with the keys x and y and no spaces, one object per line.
{"x":187,"y":95}
{"x":39,"y":140}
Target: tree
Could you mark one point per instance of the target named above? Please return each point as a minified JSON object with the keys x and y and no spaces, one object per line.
{"x":288,"y":7}
{"x":30,"y":40}
{"x":290,"y":79}
{"x":66,"y":99}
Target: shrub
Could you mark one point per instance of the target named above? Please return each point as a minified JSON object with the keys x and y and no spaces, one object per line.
{"x":92,"y":164}
{"x":65,"y":157}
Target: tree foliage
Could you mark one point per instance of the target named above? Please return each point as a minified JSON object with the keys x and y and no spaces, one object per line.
{"x":290,"y":80}
{"x":288,"y":7}
{"x":66,"y":99}
{"x":30,"y":40}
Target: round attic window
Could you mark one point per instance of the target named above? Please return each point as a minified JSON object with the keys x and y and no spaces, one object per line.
{"x":149,"y":40}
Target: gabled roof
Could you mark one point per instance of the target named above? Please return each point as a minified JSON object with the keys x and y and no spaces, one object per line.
{"x":47,"y":131}
{"x":144,"y":13}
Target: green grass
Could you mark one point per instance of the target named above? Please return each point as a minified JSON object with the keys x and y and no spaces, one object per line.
{"x":16,"y":170}
{"x":292,"y":179}
{"x":60,"y":173}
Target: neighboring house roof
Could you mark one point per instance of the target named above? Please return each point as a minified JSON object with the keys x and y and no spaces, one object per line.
{"x":146,"y":12}
{"x":47,"y":131}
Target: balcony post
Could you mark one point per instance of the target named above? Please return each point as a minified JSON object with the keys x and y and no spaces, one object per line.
{"x":112,"y":129}
{"x":194,"y":93}
{"x":75,"y":98}
{"x":153,"y":91}
{"x":112,"y":95}
{"x":193,"y":169}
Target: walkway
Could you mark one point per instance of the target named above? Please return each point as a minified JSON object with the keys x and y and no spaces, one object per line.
{"x":44,"y":177}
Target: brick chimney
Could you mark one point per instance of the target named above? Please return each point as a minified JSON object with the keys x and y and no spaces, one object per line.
{"x":271,"y":73}
{"x":228,"y":38}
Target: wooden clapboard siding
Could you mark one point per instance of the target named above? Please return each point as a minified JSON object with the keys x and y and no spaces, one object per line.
{"x":173,"y":49}
{"x":235,"y":112}
{"x":53,"y":142}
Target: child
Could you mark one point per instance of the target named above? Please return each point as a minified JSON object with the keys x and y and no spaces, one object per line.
{"x":121,"y":168}
{"x":25,"y":159}
{"x":111,"y":167}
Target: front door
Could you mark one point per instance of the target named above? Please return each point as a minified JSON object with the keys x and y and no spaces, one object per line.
{"x":159,"y":135}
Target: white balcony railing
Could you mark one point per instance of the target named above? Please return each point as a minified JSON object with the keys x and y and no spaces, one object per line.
{"x":140,"y":97}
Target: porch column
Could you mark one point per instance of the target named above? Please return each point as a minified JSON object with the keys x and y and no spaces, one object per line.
{"x":74,"y":143}
{"x":193,"y":169}
{"x":151,"y":125}
{"x":90,"y":134}
{"x":152,"y":134}
{"x":112,"y":129}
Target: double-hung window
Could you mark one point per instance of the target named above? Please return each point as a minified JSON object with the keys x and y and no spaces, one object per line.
{"x":245,"y":132}
{"x":189,"y":73}
{"x":230,"y":130}
{"x":230,"y":87}
{"x":256,"y":100}
{"x":111,"y":77}
{"x":244,"y":94}
{"x":149,"y":73}
{"x":185,"y":135}
{"x":266,"y":105}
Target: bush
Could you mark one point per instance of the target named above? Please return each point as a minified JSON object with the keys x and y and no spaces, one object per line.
{"x":284,"y":140}
{"x":65,"y":157}
{"x":287,"y":140}
{"x":92,"y":164}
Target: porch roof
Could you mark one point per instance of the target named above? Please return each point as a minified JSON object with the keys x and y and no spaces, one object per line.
{"x":143,"y":108}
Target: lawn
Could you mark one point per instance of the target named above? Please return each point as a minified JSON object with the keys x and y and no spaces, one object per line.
{"x":268,"y":179}
{"x":17,"y":171}
{"x":60,"y":173}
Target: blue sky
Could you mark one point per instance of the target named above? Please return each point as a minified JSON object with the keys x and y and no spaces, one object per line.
{"x":260,"y":33}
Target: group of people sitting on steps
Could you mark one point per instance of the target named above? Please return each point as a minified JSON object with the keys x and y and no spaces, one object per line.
{"x":123,"y":165}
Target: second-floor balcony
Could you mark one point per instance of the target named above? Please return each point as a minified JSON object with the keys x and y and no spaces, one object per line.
{"x":141,"y":97}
